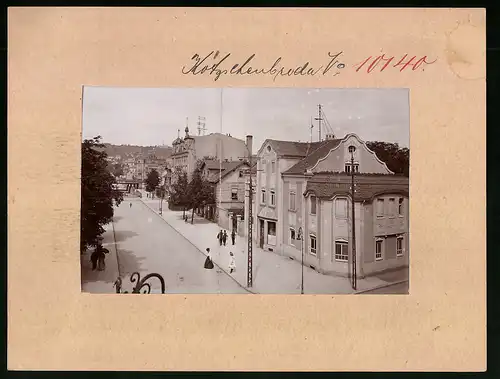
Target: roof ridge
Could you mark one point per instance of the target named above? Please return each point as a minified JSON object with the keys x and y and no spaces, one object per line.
{"x":321,"y":145}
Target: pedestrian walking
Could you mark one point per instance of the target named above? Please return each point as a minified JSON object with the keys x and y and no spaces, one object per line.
{"x":98,"y":258}
{"x":208,"y":262}
{"x":224,"y":238}
{"x":220,"y":236}
{"x":233,"y":236}
{"x":130,"y":205}
{"x":93,"y":258}
{"x":232,"y":263}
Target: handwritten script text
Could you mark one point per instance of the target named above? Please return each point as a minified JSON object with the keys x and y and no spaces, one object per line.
{"x":218,"y":65}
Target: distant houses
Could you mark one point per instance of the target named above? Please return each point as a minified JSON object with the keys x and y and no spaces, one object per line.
{"x":229,"y":179}
{"x":189,"y":150}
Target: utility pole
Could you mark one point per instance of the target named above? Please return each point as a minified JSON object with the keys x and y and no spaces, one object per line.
{"x":352,"y":149}
{"x":248,"y":158}
{"x":250,"y":224}
{"x":319,"y":122}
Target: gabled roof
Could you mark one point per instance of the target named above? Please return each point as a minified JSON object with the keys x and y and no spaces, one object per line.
{"x":231,"y":166}
{"x":312,"y":158}
{"x":213,"y":164}
{"x":327,"y":185}
{"x":293,"y":148}
{"x":227,"y":167}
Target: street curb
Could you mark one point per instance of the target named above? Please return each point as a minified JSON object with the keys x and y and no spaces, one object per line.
{"x":197,"y":248}
{"x":116,"y":247}
{"x":381,"y":286}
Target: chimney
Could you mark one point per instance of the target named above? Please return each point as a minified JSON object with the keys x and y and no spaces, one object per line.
{"x":248,"y":153}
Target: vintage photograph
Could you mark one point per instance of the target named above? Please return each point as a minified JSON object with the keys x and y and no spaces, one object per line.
{"x":245,"y":190}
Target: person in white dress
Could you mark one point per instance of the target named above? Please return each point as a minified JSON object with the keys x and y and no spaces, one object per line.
{"x":232,"y":263}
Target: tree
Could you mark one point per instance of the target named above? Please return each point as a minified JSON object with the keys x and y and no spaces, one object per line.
{"x":97,"y":193}
{"x":397,"y":158}
{"x":152,"y":180}
{"x":201,"y":192}
{"x":179,"y":190}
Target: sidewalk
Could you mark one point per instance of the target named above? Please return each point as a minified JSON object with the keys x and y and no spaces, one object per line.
{"x":272,"y":273}
{"x":100,"y":281}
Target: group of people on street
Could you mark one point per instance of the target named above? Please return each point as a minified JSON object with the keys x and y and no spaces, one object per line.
{"x":98,"y":258}
{"x":222,"y":237}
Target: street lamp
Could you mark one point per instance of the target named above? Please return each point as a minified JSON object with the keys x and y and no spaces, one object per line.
{"x":301,"y":239}
{"x":352,"y":149}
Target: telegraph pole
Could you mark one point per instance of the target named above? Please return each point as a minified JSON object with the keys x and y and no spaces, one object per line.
{"x":319,"y":119}
{"x":352,"y":149}
{"x":249,"y":159}
{"x":250,"y":224}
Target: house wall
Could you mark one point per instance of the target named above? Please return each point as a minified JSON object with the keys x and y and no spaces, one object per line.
{"x":337,"y":158}
{"x":266,"y":180}
{"x":224,"y":190}
{"x":387,"y":228}
{"x":282,"y":204}
{"x":333,"y":227}
{"x":223,"y":218}
{"x":292,"y":218}
{"x":224,"y":201}
{"x":219,"y":146}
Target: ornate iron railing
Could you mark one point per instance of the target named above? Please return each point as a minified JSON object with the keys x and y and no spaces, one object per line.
{"x":142,"y":286}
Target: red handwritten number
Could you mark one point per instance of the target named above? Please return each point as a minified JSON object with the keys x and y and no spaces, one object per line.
{"x":363,"y":63}
{"x":401,"y":63}
{"x":420,"y":61}
{"x":387,"y":63}
{"x":374,"y":64}
{"x":404,"y":63}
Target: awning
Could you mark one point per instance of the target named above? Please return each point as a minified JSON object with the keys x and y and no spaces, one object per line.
{"x":268,"y":213}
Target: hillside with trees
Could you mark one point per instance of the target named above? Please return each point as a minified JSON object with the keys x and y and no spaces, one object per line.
{"x":132,"y":150}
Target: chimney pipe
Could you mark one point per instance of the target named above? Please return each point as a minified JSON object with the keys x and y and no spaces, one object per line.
{"x":249,"y":147}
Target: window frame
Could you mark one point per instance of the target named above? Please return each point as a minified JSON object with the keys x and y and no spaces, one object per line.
{"x":263,"y":196}
{"x":401,"y":202}
{"x":346,"y":208}
{"x":348,"y":166}
{"x":274,"y":229}
{"x":290,"y":239}
{"x":273,"y":167}
{"x":311,"y":202}
{"x":381,"y":240}
{"x":272,"y":198}
{"x":341,"y":243}
{"x":292,"y":195}
{"x":311,"y":238}
{"x":263,"y":166}
{"x":380,"y":201}
{"x":234,"y":191}
{"x":400,"y":252}
{"x":392,"y":207}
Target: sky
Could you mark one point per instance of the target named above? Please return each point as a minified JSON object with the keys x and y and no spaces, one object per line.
{"x":153,"y":116}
